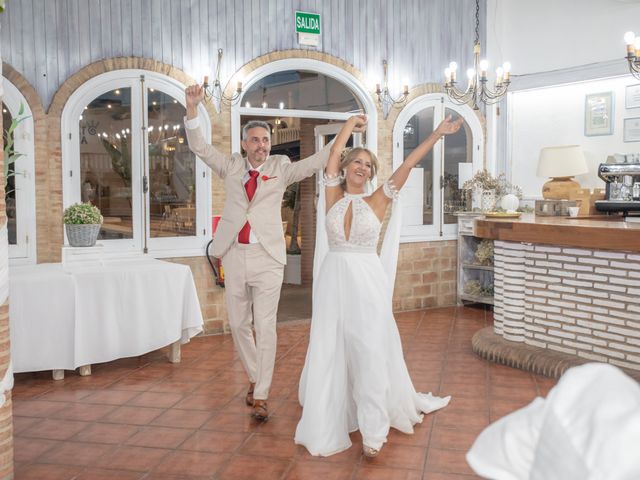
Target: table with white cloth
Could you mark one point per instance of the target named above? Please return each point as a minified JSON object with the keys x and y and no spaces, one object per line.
{"x":65,"y":318}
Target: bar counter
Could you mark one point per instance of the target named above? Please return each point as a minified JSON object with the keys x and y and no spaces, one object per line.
{"x":595,"y":232}
{"x":566,"y":291}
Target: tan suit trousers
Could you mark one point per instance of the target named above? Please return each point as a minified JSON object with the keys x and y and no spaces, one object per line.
{"x":253,"y":280}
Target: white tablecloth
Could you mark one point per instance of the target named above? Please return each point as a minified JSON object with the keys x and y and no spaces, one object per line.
{"x":98,"y":313}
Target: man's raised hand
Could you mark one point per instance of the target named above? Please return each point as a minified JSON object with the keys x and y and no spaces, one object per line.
{"x":194,"y":95}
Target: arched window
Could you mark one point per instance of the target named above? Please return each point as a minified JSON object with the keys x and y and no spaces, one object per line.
{"x":125,"y":151}
{"x":301,"y":88}
{"x":431,"y":195}
{"x":20,"y":184}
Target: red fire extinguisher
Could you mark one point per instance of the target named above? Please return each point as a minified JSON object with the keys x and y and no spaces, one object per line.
{"x":216,"y":263}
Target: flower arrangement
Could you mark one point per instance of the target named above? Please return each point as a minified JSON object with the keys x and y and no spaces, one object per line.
{"x":82,"y":214}
{"x":484,"y":252}
{"x":483,"y":180}
{"x":476,"y":289}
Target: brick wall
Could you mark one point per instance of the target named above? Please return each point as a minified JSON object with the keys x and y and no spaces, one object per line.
{"x":576,"y":301}
{"x":426,"y":275}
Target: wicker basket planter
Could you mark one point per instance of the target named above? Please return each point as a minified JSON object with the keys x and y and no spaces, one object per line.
{"x":84,"y":235}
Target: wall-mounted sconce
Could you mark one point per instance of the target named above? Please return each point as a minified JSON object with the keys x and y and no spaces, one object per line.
{"x":213,"y":92}
{"x":385,"y":99}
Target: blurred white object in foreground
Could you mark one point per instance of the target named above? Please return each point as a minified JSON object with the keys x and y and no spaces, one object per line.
{"x":588,"y":428}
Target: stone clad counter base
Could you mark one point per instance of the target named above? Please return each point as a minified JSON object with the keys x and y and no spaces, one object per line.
{"x":580,"y":302}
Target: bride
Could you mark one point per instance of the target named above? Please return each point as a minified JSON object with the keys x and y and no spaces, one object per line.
{"x":355,"y":377}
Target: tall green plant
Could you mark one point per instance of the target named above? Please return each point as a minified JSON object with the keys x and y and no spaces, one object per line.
{"x":10,"y":155}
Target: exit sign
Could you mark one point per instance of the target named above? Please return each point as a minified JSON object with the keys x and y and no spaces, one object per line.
{"x":308,"y":23}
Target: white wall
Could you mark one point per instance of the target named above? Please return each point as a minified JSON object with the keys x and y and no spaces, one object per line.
{"x":555,"y":116}
{"x":543,"y":35}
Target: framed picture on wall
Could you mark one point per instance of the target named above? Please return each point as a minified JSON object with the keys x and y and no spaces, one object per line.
{"x":632,"y":96}
{"x":631,"y":130}
{"x":598,"y":114}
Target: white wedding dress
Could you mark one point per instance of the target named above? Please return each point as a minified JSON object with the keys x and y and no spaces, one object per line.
{"x":354,"y":376}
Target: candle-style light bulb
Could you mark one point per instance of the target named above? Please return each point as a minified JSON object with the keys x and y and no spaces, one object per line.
{"x":405,"y":86}
{"x":471,"y":73}
{"x":629,"y":38}
{"x":453,"y":66}
{"x":507,"y":71}
{"x":499,"y":75}
{"x":447,"y":75}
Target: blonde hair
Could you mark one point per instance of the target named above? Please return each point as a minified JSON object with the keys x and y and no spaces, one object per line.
{"x":350,"y":154}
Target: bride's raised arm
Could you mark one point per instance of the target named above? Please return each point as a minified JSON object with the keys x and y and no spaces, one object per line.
{"x":380,"y":200}
{"x":333,"y":188}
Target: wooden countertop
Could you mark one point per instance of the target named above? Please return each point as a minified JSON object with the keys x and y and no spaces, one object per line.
{"x":595,"y":232}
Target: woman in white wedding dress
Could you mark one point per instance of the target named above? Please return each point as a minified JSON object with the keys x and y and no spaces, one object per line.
{"x":355,"y":376}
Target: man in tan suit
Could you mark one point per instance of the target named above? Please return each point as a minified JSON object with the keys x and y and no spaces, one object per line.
{"x":250,"y":240}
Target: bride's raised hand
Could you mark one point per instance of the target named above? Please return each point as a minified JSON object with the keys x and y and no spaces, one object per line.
{"x":359,"y":123}
{"x":449,"y":126}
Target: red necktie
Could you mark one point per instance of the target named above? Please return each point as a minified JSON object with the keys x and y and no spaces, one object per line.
{"x":250,"y":187}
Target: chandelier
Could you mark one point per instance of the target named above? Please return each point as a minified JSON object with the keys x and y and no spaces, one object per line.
{"x":385,"y":99}
{"x":633,"y":53}
{"x":214,"y":91}
{"x":477,"y":88}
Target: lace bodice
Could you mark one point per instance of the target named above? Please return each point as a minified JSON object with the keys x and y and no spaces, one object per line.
{"x":365,"y":226}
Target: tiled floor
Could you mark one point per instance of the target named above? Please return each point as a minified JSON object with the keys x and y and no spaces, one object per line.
{"x":145,"y":418}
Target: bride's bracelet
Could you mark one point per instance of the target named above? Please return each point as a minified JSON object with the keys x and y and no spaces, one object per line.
{"x":390,"y":190}
{"x":331,"y":180}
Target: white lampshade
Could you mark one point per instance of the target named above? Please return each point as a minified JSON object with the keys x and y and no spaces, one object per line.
{"x":562,"y":161}
{"x":465,"y":173}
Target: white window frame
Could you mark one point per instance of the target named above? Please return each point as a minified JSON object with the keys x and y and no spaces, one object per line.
{"x":156,"y":247}
{"x":438,"y":230}
{"x":24,"y":251}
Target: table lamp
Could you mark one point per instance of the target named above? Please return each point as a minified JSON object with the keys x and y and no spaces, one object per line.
{"x":561,"y":163}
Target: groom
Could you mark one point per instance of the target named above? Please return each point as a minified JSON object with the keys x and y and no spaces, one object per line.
{"x":250,"y":240}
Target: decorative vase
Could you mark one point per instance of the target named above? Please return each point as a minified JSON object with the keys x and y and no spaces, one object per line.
{"x":488,"y":200}
{"x":510,"y":202}
{"x":82,"y":235}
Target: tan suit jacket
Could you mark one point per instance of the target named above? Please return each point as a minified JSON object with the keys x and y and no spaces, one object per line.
{"x":263,"y":212}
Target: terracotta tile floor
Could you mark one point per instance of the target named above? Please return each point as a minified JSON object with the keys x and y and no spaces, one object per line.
{"x":144,"y":418}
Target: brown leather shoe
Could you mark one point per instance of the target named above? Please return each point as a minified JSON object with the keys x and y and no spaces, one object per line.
{"x":249,"y":397}
{"x":260,"y":411}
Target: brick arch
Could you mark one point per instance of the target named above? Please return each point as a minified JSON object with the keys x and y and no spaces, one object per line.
{"x":26,"y":89}
{"x":92,"y":70}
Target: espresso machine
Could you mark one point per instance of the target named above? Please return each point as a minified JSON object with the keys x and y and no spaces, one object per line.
{"x":621,"y":174}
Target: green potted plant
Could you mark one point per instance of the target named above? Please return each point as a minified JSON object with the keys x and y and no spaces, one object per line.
{"x":82,"y":223}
